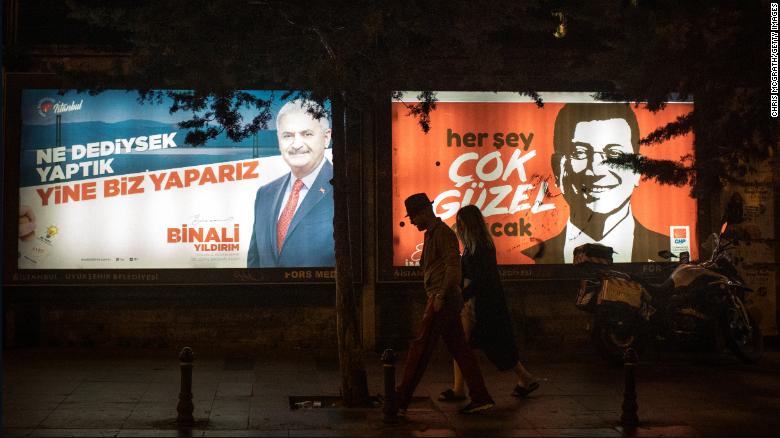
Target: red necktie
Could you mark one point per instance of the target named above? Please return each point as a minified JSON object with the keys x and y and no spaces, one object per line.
{"x":287,"y":214}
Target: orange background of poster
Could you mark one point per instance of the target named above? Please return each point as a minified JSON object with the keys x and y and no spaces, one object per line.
{"x":421,"y":163}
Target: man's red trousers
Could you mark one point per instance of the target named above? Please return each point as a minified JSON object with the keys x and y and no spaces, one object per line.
{"x":447,"y":324}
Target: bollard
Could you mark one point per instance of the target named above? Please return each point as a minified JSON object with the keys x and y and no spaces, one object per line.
{"x":390,"y":409}
{"x":629,"y":419}
{"x":185,"y":406}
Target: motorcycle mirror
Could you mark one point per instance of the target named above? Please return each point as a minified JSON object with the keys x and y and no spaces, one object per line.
{"x":666,"y":254}
{"x":710,"y":242}
{"x":734,"y":212}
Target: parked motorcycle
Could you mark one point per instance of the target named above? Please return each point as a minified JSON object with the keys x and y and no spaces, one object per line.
{"x":699,"y":302}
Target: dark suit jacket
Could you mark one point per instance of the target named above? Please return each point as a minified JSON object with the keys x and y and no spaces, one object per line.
{"x":647,"y":243}
{"x":309,"y":241}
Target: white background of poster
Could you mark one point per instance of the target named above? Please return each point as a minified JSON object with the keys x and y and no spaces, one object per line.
{"x":111,"y":231}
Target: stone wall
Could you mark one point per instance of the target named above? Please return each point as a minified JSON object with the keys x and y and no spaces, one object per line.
{"x":254,"y":319}
{"x":756,"y":254}
{"x":224,"y":318}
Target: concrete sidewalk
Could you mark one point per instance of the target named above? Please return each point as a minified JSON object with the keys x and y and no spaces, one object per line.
{"x":89,"y":392}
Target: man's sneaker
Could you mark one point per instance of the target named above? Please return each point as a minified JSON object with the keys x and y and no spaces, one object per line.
{"x":473,"y":408}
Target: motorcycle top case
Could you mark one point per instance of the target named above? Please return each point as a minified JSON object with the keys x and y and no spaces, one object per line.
{"x":621,"y":291}
{"x":587,"y":294}
{"x":593,"y":253}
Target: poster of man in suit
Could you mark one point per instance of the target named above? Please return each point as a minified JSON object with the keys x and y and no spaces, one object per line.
{"x":598,"y":195}
{"x":539,"y":175}
{"x":293,"y":224}
{"x":108,"y":182}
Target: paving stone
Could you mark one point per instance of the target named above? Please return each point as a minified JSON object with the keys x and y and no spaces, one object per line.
{"x":159,"y":433}
{"x":127,"y":376}
{"x":108,"y":392}
{"x":346,"y":418}
{"x":13,"y":431}
{"x":666,"y":431}
{"x":150,"y":414}
{"x":90,"y":432}
{"x":600,"y":402}
{"x":580,"y":432}
{"x":228,"y":420}
{"x":513,"y":433}
{"x":494,"y":430}
{"x":313,"y":432}
{"x":232,"y":404}
{"x":248,"y":376}
{"x":13,"y":386}
{"x":501,"y":417}
{"x":245,"y":433}
{"x":167,"y":392}
{"x":88,"y":415}
{"x":434,"y":432}
{"x":234,"y":389}
{"x":32,"y":401}
{"x":301,"y":419}
{"x":22,"y":418}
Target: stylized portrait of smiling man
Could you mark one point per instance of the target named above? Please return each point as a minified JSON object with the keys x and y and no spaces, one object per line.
{"x":598,"y":194}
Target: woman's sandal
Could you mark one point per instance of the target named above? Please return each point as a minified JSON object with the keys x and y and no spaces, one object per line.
{"x":523,"y":392}
{"x":450,"y":396}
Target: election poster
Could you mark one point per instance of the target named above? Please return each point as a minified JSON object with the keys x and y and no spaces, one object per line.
{"x":108,"y":182}
{"x":539,"y":176}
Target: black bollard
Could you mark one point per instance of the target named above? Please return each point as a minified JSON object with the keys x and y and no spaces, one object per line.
{"x":629,"y":419}
{"x":185,"y":406}
{"x":390,"y":409}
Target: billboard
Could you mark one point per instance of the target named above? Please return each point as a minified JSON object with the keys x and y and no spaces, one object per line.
{"x":539,"y":177}
{"x":108,"y":182}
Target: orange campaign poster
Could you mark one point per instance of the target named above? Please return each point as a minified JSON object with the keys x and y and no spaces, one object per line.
{"x":539,"y":177}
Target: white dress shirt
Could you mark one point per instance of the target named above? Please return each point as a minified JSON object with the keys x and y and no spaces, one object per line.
{"x":620,"y":237}
{"x":308,"y":180}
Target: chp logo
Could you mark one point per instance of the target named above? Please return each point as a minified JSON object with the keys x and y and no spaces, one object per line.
{"x":679,"y":240}
{"x":680,"y":234}
{"x":48,"y":106}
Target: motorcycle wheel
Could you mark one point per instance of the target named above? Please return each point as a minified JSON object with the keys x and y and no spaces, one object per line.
{"x":614,"y":333}
{"x":743,"y":338}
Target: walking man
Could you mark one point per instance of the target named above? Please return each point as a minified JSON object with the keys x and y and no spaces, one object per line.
{"x":441,"y":268}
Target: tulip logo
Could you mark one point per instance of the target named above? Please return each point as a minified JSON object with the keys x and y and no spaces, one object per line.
{"x":46,"y":107}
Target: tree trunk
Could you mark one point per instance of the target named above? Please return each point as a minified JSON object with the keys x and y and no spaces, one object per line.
{"x":354,"y":386}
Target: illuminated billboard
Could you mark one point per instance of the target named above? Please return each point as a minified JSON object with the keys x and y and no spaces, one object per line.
{"x":108,"y":182}
{"x":539,"y":177}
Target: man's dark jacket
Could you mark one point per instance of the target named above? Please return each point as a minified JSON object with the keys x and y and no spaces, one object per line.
{"x":647,"y":243}
{"x":309,"y":241}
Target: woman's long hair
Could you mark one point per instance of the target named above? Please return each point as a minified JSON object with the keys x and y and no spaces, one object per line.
{"x":472,"y":230}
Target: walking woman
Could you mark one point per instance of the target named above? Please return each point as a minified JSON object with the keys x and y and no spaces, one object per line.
{"x":485,"y":316}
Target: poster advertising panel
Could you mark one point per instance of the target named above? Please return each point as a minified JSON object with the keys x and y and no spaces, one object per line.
{"x":539,"y":177}
{"x":108,"y":182}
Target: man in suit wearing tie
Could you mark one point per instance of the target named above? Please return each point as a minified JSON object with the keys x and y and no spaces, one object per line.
{"x":294,"y":214}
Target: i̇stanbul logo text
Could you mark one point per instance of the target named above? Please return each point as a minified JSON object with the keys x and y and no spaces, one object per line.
{"x":48,"y":106}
